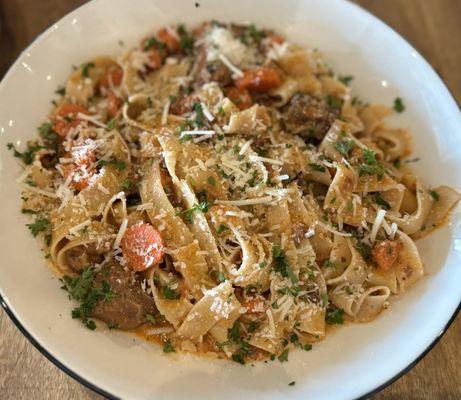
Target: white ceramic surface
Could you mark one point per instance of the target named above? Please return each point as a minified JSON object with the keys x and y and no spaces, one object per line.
{"x":349,"y":363}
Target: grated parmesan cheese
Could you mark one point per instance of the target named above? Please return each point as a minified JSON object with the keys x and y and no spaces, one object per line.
{"x":377,"y":224}
{"x":209,"y":116}
{"x":166,"y":110}
{"x":120,"y":233}
{"x":265,"y":159}
{"x":102,"y":189}
{"x":74,"y":230}
{"x":246,"y":202}
{"x":237,"y":72}
{"x":270,"y":318}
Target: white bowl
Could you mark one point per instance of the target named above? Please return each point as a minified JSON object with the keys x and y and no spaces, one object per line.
{"x":354,"y":361}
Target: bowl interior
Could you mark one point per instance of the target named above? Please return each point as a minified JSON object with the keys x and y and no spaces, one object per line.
{"x":360,"y":357}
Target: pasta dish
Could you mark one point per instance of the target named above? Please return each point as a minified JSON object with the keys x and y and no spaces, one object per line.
{"x":220,"y":190}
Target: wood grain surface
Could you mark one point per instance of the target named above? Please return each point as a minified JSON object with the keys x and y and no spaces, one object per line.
{"x":432,"y":26}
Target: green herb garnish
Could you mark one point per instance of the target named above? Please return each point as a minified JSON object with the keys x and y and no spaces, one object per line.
{"x":344,"y":146}
{"x":281,"y":264}
{"x":317,"y":167}
{"x":86,"y":69}
{"x":398,"y":105}
{"x":334,"y":316}
{"x":168,"y":347}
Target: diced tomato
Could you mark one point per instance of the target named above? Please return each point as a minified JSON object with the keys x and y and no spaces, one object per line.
{"x":276,"y":39}
{"x":113,"y":104}
{"x":113,"y":75}
{"x":171,"y":41}
{"x":155,"y":58}
{"x":65,"y":118}
{"x":81,"y":168}
{"x":385,"y":253}
{"x":255,"y":305}
{"x":142,"y":246}
{"x":240,"y":97}
{"x":200,"y":30}
{"x":259,"y":79}
{"x":270,"y":41}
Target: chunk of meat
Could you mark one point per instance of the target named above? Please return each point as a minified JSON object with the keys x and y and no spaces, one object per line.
{"x":142,"y":246}
{"x":66,"y":117}
{"x":183,"y":104}
{"x":155,"y":58}
{"x":306,"y":115}
{"x":241,"y":98}
{"x":129,"y":305}
{"x":385,"y":253}
{"x":219,"y":73}
{"x":261,"y":79}
{"x":79,"y":257}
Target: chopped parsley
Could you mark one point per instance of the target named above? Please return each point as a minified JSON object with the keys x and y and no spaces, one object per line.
{"x":364,"y":250}
{"x":252,"y":326}
{"x":186,"y":41}
{"x":371,"y":166}
{"x":434,"y":195}
{"x":381,"y":202}
{"x":398,"y":105}
{"x":40,"y":225}
{"x":199,"y":116}
{"x":81,"y":288}
{"x":346,"y":79}
{"x":28,"y":211}
{"x":28,"y":156}
{"x":222,"y":228}
{"x":218,"y":275}
{"x":150,"y":318}
{"x":211,"y":180}
{"x":153,"y":42}
{"x":168,"y":347}
{"x":283,"y":356}
{"x":203,"y":206}
{"x":281,"y":264}
{"x":170,"y":294}
{"x":334,"y":315}
{"x":107,"y":293}
{"x":252,"y":35}
{"x":236,"y":338}
{"x":333,"y":102}
{"x":46,"y":132}
{"x":86,"y":69}
{"x":126,"y":184}
{"x":110,"y":124}
{"x":329,"y":264}
{"x":317,"y":167}
{"x":118,"y":164}
{"x":61,"y":91}
{"x":344,"y":146}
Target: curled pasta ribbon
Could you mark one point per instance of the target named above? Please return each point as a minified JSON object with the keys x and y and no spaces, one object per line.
{"x":412,"y":223}
{"x":360,"y":303}
{"x":216,"y":305}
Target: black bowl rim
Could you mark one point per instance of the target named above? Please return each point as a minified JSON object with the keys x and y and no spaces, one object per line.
{"x":109,"y":395}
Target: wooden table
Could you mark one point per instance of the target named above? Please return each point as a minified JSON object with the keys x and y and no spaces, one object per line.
{"x":432,"y":26}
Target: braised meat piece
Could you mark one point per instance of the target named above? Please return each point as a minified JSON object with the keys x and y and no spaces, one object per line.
{"x":308,"y":117}
{"x":129,"y":305}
